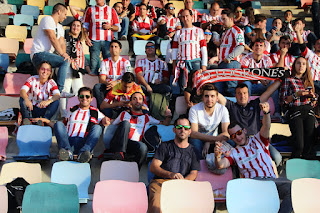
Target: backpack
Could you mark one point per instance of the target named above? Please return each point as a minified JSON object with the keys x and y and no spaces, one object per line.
{"x":158,"y":105}
{"x":26,"y":67}
{"x":16,"y":189}
{"x":152,"y":138}
{"x":9,"y":114}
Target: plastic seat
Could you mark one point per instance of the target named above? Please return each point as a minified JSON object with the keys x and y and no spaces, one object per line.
{"x":31,"y":172}
{"x":39,"y":19}
{"x":218,"y":182}
{"x":73,"y":173}
{"x":22,"y":57}
{"x":74,"y":101}
{"x":7,"y":102}
{"x":125,"y":47}
{"x":93,"y":2}
{"x":21,"y":19}
{"x":54,"y":2}
{"x":47,"y":10}
{"x":4,"y":21}
{"x":27,"y":45}
{"x":303,"y":193}
{"x":18,"y":3}
{"x":164,"y":46}
{"x":139,"y":47}
{"x":155,"y":3}
{"x":13,"y":82}
{"x":3,"y":142}
{"x":181,"y":105}
{"x":68,"y":21}
{"x":16,"y":32}
{"x":30,"y":10}
{"x":198,"y":5}
{"x":178,"y":5}
{"x":50,"y":197}
{"x":248,"y":195}
{"x":300,"y":168}
{"x":202,"y":11}
{"x":305,"y":3}
{"x":34,"y":29}
{"x":90,"y":81}
{"x":115,"y":196}
{"x":78,"y":3}
{"x":166,"y":132}
{"x":38,"y":3}
{"x":34,"y":146}
{"x":4,"y":61}
{"x":3,"y":200}
{"x":186,"y":196}
{"x":119,"y":170}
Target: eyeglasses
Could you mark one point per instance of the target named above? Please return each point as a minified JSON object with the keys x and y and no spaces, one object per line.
{"x":180,"y":127}
{"x":208,"y":33}
{"x":171,"y":8}
{"x":239,"y":11}
{"x":239,"y":132}
{"x":82,"y":96}
{"x":45,"y":69}
{"x":150,"y":46}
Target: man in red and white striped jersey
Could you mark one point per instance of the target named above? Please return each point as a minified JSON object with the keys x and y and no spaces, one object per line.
{"x":231,"y":47}
{"x":131,"y":127}
{"x":151,"y":12}
{"x":212,"y":21}
{"x":99,"y":24}
{"x":152,"y":73}
{"x":112,"y":70}
{"x":282,"y":58}
{"x":252,"y":157}
{"x":168,"y":24}
{"x":196,"y":15}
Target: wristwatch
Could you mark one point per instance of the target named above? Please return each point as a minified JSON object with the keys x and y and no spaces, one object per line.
{"x":111,"y":27}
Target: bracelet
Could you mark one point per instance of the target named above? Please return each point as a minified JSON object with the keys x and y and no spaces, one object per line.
{"x":266,"y":113}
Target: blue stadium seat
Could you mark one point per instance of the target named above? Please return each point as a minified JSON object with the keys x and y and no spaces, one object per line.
{"x":30,"y":10}
{"x":22,"y":57}
{"x":21,"y":19}
{"x":47,"y":10}
{"x":300,"y":168}
{"x":198,"y":5}
{"x":17,"y":3}
{"x":202,"y":11}
{"x":4,"y":62}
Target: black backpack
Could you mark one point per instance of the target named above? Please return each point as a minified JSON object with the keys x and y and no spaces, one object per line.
{"x":16,"y":190}
{"x":152,"y":138}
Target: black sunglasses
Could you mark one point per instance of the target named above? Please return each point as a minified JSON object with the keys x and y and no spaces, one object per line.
{"x":82,"y":96}
{"x":181,"y":126}
{"x":239,"y":132}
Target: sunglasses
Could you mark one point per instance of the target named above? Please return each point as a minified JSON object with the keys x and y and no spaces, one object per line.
{"x":208,"y":33}
{"x":171,"y":8}
{"x":44,"y":69}
{"x":82,"y":96}
{"x":180,"y":127}
{"x":150,"y":46}
{"x":239,"y":11}
{"x":239,"y":132}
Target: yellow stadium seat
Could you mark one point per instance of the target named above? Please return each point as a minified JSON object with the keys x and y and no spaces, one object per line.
{"x":178,"y":5}
{"x":78,"y":3}
{"x":39,"y":3}
{"x":16,"y":32}
{"x":40,"y":17}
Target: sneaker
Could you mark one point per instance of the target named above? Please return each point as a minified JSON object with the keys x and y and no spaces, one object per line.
{"x":118,"y":156}
{"x":166,"y":37}
{"x":84,"y":157}
{"x":26,"y":121}
{"x":65,"y":155}
{"x":66,"y":95}
{"x":124,"y":37}
{"x":39,"y":123}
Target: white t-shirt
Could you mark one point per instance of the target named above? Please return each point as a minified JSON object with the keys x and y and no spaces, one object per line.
{"x":208,"y":124}
{"x":41,"y":42}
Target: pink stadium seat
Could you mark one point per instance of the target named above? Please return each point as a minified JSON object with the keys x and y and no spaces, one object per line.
{"x":270,"y":101}
{"x":3,"y":142}
{"x":218,"y":182}
{"x":306,"y":3}
{"x":4,"y":199}
{"x":90,"y":81}
{"x":13,"y":82}
{"x":74,"y":101}
{"x":181,"y":105}
{"x":119,"y":196}
{"x":119,"y":170}
{"x":27,"y":45}
{"x":156,"y":3}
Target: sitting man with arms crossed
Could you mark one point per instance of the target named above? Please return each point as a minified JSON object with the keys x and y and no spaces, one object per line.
{"x":253,"y":157}
{"x":174,"y":159}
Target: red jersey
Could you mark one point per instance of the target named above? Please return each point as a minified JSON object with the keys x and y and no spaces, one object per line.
{"x":114,"y":70}
{"x":143,"y":25}
{"x":314,"y":62}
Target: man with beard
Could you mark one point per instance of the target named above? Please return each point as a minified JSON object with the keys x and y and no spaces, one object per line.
{"x":132,"y":125}
{"x":174,"y":159}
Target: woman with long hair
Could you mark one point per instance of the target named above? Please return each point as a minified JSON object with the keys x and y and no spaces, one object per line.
{"x":39,"y":96}
{"x":297,"y":97}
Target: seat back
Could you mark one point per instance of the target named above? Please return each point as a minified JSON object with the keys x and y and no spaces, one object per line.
{"x":181,"y":105}
{"x":13,"y":82}
{"x":4,"y":21}
{"x":3,"y":200}
{"x":125,"y":47}
{"x":119,"y":196}
{"x":78,"y":3}
{"x":3,"y":141}
{"x":194,"y":196}
{"x":65,"y":172}
{"x":248,"y":195}
{"x":7,"y":102}
{"x":27,"y":45}
{"x":47,"y":10}
{"x":178,"y":5}
{"x":4,"y":61}
{"x":31,"y":144}
{"x":22,"y":57}
{"x":9,"y":45}
{"x":39,"y":19}
{"x":303,"y":193}
{"x":50,"y":197}
{"x":74,"y":101}
{"x":198,"y":5}
{"x":54,"y":2}
{"x":90,"y":81}
{"x":38,"y":3}
{"x":164,"y":46}
{"x":139,"y":47}
{"x":31,"y":172}
{"x":22,"y":19}
{"x":35,"y":29}
{"x":300,"y":168}
{"x":16,"y":32}
{"x":30,"y":10}
{"x":119,"y":170}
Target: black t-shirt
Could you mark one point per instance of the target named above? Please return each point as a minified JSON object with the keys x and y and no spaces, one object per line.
{"x":177,"y":160}
{"x":248,"y":116}
{"x":131,"y":10}
{"x":160,"y":12}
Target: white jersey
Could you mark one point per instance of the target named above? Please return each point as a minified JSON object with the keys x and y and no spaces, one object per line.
{"x":172,"y":23}
{"x":149,"y":68}
{"x":288,"y":59}
{"x":208,"y":17}
{"x":247,"y":61}
{"x":114,"y":70}
{"x":314,"y":63}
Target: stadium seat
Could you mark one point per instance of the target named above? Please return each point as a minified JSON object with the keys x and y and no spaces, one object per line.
{"x":50,"y":197}
{"x":139,"y":47}
{"x":4,"y":21}
{"x":93,"y":2}
{"x":30,"y":10}
{"x":78,"y":3}
{"x":125,"y":47}
{"x":35,"y":29}
{"x":256,"y":4}
{"x":186,"y":196}
{"x":300,"y":168}
{"x":34,"y":146}
{"x":16,"y":32}
{"x":3,"y":199}
{"x":164,"y":46}
{"x":119,"y":170}
{"x":7,"y":102}
{"x":22,"y":57}
{"x":85,"y":49}
{"x":31,"y":172}
{"x":25,"y":20}
{"x":218,"y":182}
{"x":39,"y":19}
{"x":90,"y":81}
{"x":119,"y":196}
{"x":13,"y":82}
{"x":202,"y":11}
{"x":269,"y":24}
{"x":47,"y":10}
{"x":155,"y":3}
{"x":178,"y":5}
{"x":67,"y":21}
{"x":181,"y":105}
{"x":134,"y":2}
{"x":305,"y":3}
{"x":198,"y":5}
{"x":166,"y":132}
{"x":65,"y":172}
{"x":4,"y":62}
{"x":38,"y":3}
{"x":303,"y":194}
{"x":54,"y":2}
{"x":17,"y":3}
{"x":27,"y":45}
{"x":74,"y":101}
{"x":3,"y":142}
{"x":248,"y":195}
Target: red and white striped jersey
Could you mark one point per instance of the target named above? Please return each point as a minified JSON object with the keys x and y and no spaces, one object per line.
{"x":172,"y":23}
{"x":208,"y":17}
{"x":314,"y":63}
{"x":247,"y":61}
{"x":230,"y":39}
{"x":254,"y":158}
{"x":196,"y":15}
{"x":288,"y":59}
{"x":37,"y":92}
{"x":148,"y":68}
{"x":143,"y":25}
{"x":78,"y":122}
{"x":151,"y":12}
{"x":114,"y":70}
{"x":95,"y":16}
{"x":138,"y":124}
{"x":305,"y":34}
{"x":189,"y":44}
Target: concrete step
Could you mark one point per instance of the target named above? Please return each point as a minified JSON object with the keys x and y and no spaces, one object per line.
{"x":277,"y":3}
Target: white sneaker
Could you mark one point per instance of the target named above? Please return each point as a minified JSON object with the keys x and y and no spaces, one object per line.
{"x":66,"y":95}
{"x":124,"y":37}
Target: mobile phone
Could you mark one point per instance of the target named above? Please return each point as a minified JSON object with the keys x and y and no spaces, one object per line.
{"x":309,"y":88}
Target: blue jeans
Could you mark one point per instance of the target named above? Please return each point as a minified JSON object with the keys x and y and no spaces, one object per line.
{"x":158,"y":88}
{"x":55,"y":61}
{"x":124,"y":29}
{"x":275,"y":155}
{"x":94,"y":50}
{"x":197,"y":147}
{"x":37,"y":112}
{"x":99,"y":92}
{"x":76,"y":144}
{"x":192,"y":66}
{"x":230,"y":85}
